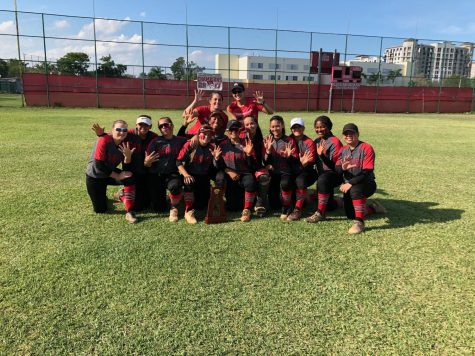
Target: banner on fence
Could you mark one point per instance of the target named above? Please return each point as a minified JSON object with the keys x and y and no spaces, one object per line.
{"x":209,"y":81}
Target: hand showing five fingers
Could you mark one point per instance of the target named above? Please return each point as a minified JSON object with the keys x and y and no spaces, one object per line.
{"x":126,"y":151}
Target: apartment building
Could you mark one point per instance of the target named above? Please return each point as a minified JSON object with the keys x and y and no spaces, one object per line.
{"x":434,"y":61}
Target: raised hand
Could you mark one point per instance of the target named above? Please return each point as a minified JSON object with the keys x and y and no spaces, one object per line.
{"x":126,"y":151}
{"x":259,"y":95}
{"x":188,"y":119}
{"x":248,"y":147}
{"x":98,"y":129}
{"x":346,"y":163}
{"x":198,"y":95}
{"x":216,"y":152}
{"x":305,"y":158}
{"x":268,"y":143}
{"x":288,"y":151}
{"x":150,"y":158}
{"x":321,"y":147}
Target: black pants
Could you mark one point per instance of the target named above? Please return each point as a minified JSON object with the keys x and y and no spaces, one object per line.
{"x":235,"y":191}
{"x":97,"y":190}
{"x":326,"y":184}
{"x":305,"y":179}
{"x":159,"y":184}
{"x":142,"y":191}
{"x":278,"y":182}
{"x":200,"y":187}
{"x":357,"y":191}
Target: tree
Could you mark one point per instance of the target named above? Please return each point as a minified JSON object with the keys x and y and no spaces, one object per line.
{"x":156,"y":73}
{"x":3,"y":68}
{"x":15,"y":68}
{"x":373,"y":78}
{"x":75,"y":63}
{"x":41,"y":67}
{"x":456,"y":81}
{"x":182,"y":72}
{"x":393,"y":74}
{"x":108,"y":68}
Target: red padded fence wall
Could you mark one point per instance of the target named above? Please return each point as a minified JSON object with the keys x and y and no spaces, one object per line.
{"x":73,"y":91}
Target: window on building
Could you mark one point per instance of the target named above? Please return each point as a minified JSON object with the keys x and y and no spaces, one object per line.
{"x":308,"y":79}
{"x":272,"y":77}
{"x":257,"y":65}
{"x":292,"y":67}
{"x":257,"y":76}
{"x":274,"y":66}
{"x":306,"y":67}
{"x":291,"y":77}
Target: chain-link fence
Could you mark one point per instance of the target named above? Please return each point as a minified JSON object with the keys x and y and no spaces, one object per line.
{"x":151,"y":61}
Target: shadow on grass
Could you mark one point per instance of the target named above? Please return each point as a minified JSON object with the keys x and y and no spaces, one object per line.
{"x":403,"y":213}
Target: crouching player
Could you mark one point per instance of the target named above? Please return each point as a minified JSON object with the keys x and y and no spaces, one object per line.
{"x":102,"y":170}
{"x":356,"y":164}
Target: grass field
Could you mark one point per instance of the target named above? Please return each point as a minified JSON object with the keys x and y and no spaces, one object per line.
{"x":75,"y":282}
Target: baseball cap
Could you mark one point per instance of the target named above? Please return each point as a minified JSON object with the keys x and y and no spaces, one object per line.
{"x":144,"y":120}
{"x":233,"y":124}
{"x":237,"y":87}
{"x":297,"y":121}
{"x":350,"y":127}
{"x":205,"y":129}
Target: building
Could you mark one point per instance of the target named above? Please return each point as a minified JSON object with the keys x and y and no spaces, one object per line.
{"x":262,"y":68}
{"x":433,"y":61}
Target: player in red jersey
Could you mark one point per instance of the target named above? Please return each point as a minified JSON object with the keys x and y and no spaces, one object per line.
{"x":328,"y":148}
{"x":238,"y":159}
{"x":194,"y":163}
{"x":280,"y":154}
{"x":141,"y":135}
{"x":102,"y":169}
{"x":161,"y":162}
{"x":202,"y":113}
{"x":242,"y":107}
{"x":304,"y":170}
{"x":356,"y":164}
{"x":260,"y":170}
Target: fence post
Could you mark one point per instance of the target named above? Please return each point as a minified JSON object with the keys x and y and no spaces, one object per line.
{"x":95,"y":61}
{"x":379,"y":75}
{"x":308,"y":74}
{"x":20,"y":63}
{"x":275,"y":70}
{"x":143,"y":69}
{"x":229,"y":65}
{"x":46,"y":62}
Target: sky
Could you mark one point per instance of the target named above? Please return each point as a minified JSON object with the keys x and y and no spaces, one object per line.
{"x":428,"y":20}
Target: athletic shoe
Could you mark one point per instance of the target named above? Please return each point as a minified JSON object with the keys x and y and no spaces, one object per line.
{"x":295,"y":215}
{"x":377,"y":207}
{"x":260,"y":211}
{"x":315,"y":217}
{"x":173,"y":215}
{"x":130,"y":217}
{"x":118,"y":195}
{"x":246,"y":215}
{"x":190,"y":217}
{"x":356,"y":228}
{"x":285,"y":213}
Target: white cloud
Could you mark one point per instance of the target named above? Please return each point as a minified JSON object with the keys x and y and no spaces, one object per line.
{"x":203,"y":59}
{"x":143,"y":14}
{"x":61,"y":24}
{"x":7,"y":27}
{"x":467,"y":29}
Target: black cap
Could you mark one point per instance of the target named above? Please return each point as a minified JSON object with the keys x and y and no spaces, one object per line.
{"x":205,"y":129}
{"x":233,"y":124}
{"x":350,"y":127}
{"x":237,"y":87}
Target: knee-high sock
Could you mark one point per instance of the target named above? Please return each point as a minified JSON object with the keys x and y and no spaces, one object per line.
{"x":322,"y":202}
{"x":300,"y":195}
{"x":189,"y":197}
{"x":286,"y":197}
{"x":359,"y":205}
{"x":249,"y":199}
{"x":175,"y":199}
{"x":128,"y":198}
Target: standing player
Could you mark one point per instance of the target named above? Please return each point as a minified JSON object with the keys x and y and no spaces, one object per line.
{"x":242,"y":107}
{"x":356,"y":163}
{"x":102,"y":169}
{"x":161,"y":162}
{"x":328,"y":149}
{"x":194,"y":163}
{"x":280,"y":154}
{"x":202,"y":113}
{"x":304,"y":171}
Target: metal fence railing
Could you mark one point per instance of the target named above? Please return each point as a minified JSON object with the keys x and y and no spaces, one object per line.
{"x":99,"y":47}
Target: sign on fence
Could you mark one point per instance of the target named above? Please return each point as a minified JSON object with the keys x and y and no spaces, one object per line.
{"x":344,"y":85}
{"x":209,"y":81}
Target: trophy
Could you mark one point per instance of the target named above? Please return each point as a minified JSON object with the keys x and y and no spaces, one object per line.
{"x":216,"y":213}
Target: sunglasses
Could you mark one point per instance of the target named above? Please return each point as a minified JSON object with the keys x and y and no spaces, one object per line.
{"x":121,"y":129}
{"x":164,"y":125}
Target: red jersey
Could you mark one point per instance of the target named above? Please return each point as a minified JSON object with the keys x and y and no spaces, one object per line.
{"x":332,"y":150}
{"x":279,"y":163}
{"x":203,"y":116}
{"x":250,"y":108}
{"x":197,"y":161}
{"x":362,"y":156}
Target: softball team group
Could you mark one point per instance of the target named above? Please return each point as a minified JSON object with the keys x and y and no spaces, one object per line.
{"x":259,"y":173}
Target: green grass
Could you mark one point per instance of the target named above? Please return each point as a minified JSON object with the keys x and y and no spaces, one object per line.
{"x":75,"y":282}
{"x":10,"y":100}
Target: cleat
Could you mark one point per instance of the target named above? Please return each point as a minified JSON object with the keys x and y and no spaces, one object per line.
{"x":260,"y":211}
{"x":173,"y":215}
{"x":246,"y":215}
{"x":356,"y":228}
{"x":315,"y":217}
{"x":190,"y":217}
{"x":295,"y":215}
{"x":130,"y":217}
{"x":285,"y":213}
